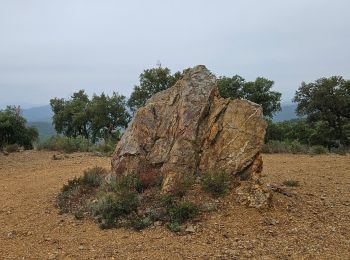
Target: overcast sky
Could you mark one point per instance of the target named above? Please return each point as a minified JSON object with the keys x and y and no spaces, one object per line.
{"x":53,"y":48}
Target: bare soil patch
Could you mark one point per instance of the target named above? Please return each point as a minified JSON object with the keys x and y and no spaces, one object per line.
{"x":315,"y":223}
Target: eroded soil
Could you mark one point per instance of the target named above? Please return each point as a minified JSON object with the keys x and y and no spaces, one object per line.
{"x":313,"y":224}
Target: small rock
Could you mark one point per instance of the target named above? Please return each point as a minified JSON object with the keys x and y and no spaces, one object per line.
{"x":158,"y":223}
{"x":190,"y":229}
{"x":52,"y":256}
{"x":81,"y":247}
{"x":12,"y":234}
{"x":210,"y":206}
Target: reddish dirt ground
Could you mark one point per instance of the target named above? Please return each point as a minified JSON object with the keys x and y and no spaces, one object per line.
{"x":313,"y":224}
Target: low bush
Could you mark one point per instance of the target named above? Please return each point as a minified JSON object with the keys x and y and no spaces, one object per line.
{"x":106,"y":148}
{"x":216,"y":184}
{"x":180,"y":212}
{"x":318,"y":149}
{"x":291,"y":183}
{"x":174,"y":226}
{"x":11,"y":148}
{"x":76,"y":190}
{"x":93,"y":177}
{"x":110,"y":207}
{"x":66,"y":144}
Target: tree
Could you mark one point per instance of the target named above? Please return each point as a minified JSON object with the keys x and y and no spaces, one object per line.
{"x":151,"y":81}
{"x":100,"y":117}
{"x":107,"y":115}
{"x":13,"y":129}
{"x":258,"y":91}
{"x":70,"y":116}
{"x":326,"y":102}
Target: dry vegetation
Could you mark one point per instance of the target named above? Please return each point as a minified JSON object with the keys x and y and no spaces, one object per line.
{"x":312,"y":222}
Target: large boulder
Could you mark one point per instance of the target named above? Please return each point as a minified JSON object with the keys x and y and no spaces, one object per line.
{"x":189,"y":129}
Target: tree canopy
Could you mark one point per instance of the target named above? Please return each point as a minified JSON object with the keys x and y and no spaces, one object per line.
{"x":151,"y":81}
{"x":101,"y":117}
{"x":13,"y":129}
{"x":258,"y":91}
{"x":327,"y":102}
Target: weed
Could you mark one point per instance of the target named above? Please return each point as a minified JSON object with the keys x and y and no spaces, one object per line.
{"x":79,"y":215}
{"x":111,"y":207}
{"x":174,"y":227}
{"x":93,"y":177}
{"x":216,"y":184}
{"x":291,"y":183}
{"x":11,"y":148}
{"x":183,"y":211}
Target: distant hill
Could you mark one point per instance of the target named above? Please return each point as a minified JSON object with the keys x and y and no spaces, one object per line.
{"x":45,"y":129}
{"x":38,"y":114}
{"x":41,"y":118}
{"x":287,"y":113}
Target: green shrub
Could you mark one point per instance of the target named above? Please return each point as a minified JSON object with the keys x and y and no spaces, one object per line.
{"x":275,"y":147}
{"x":106,"y":148}
{"x":140,"y":223}
{"x":216,"y":184}
{"x":66,"y":144}
{"x":93,"y":177}
{"x":168,"y":201}
{"x":298,"y":148}
{"x":111,"y":207}
{"x":174,"y":226}
{"x":11,"y":148}
{"x":79,"y":215}
{"x":125,"y":183}
{"x":291,"y":183}
{"x":340,"y":150}
{"x":183,"y":211}
{"x":318,"y":149}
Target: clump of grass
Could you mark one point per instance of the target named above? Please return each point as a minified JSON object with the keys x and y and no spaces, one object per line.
{"x":318,"y":149}
{"x":216,"y":184}
{"x":110,"y":207}
{"x":66,"y":144}
{"x":93,"y":177}
{"x":180,"y":212}
{"x":291,"y":183}
{"x":138,"y":223}
{"x":174,"y":226}
{"x":79,"y":215}
{"x":76,"y":190}
{"x":11,"y":148}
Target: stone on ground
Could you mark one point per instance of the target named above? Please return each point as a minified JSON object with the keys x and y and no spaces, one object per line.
{"x":188,"y":130}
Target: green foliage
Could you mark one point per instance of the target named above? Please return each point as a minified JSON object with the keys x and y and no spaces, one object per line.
{"x":180,"y":212}
{"x":79,"y":215}
{"x":11,"y":148}
{"x":327,"y":101}
{"x":112,"y":206}
{"x":168,"y":201}
{"x":13,"y":129}
{"x":130,"y":182}
{"x":93,"y":177}
{"x":318,"y":149}
{"x":138,"y":223}
{"x":66,"y":144}
{"x":101,"y":117}
{"x":216,"y":184}
{"x":151,"y":82}
{"x":295,"y":147}
{"x":174,"y":226}
{"x":291,"y":183}
{"x":106,"y":116}
{"x":258,"y":91}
